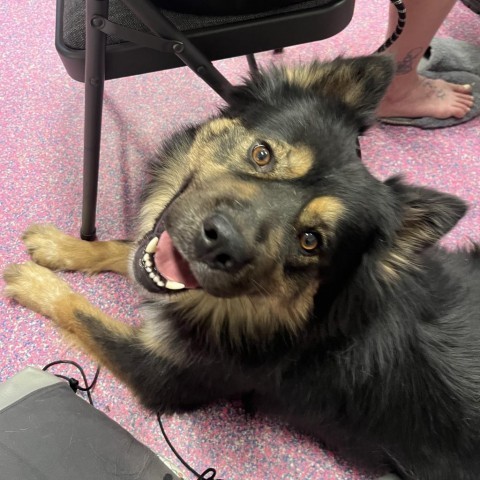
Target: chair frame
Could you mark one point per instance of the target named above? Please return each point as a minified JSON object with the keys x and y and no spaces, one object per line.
{"x":99,"y":62}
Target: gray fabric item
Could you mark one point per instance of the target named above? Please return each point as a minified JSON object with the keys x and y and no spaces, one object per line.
{"x":454,"y":61}
{"x":390,"y":476}
{"x":22,"y":384}
{"x":74,"y":19}
{"x":49,"y":433}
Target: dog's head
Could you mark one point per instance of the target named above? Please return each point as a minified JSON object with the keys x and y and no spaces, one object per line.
{"x":247,"y":215}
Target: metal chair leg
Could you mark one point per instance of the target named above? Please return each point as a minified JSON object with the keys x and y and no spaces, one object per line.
{"x":252,"y":63}
{"x":94,"y":84}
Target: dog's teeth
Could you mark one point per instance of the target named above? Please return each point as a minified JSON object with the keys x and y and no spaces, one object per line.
{"x":152,"y":245}
{"x":171,"y":285}
{"x":148,"y":265}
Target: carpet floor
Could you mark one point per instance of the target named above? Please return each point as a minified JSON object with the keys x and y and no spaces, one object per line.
{"x":40,"y":179}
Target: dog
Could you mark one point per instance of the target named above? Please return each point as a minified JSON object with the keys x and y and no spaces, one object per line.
{"x":275,"y":266}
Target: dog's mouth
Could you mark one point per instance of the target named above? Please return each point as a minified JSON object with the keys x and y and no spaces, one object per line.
{"x":160,"y":267}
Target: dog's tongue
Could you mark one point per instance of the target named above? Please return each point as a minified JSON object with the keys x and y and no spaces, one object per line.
{"x":171,"y":264}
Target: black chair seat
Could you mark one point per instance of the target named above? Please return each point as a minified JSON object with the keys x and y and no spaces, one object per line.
{"x":74,"y":19}
{"x":216,"y":36}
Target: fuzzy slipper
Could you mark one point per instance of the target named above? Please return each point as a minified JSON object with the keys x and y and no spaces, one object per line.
{"x":456,"y":62}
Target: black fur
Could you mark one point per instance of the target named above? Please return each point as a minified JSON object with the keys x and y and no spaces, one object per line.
{"x":387,"y":367}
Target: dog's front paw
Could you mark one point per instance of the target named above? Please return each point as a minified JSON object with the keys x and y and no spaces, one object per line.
{"x":35,"y":287}
{"x":49,"y":247}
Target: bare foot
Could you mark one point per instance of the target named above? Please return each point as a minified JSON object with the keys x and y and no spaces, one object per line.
{"x":426,"y":97}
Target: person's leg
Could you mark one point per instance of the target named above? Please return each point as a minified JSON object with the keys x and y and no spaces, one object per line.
{"x":410,"y":94}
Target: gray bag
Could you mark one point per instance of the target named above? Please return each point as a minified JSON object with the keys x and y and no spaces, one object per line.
{"x":49,"y":433}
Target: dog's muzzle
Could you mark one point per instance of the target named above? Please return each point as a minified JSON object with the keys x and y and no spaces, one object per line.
{"x":221,"y":246}
{"x":217,"y":252}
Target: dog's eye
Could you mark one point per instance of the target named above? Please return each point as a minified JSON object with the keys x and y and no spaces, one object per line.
{"x":261,"y":155}
{"x":309,"y":241}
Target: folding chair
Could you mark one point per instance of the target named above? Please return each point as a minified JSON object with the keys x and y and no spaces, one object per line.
{"x":99,"y":40}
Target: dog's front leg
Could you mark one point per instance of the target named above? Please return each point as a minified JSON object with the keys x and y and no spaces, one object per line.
{"x":160,"y":374}
{"x":42,"y":291}
{"x":51,"y":248}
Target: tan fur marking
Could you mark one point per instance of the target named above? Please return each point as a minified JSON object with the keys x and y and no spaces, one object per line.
{"x":51,"y":248}
{"x":257,"y":317}
{"x":155,"y":205}
{"x":164,"y":184}
{"x":167,"y":183}
{"x":323,"y":210}
{"x":292,"y":161}
{"x":337,"y":80}
{"x":228,"y":186}
{"x":301,"y":159}
{"x":204,"y":155}
{"x":242,"y":190}
{"x":216,"y":127}
{"x":304,"y":76}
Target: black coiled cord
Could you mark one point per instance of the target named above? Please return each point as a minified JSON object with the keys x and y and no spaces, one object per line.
{"x":208,"y":474}
{"x":73,"y":382}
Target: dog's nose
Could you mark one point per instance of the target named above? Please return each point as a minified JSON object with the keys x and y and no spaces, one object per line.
{"x":221,"y":246}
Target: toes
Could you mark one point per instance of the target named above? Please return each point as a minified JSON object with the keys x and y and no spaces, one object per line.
{"x":466,"y":100}
{"x":44,"y":245}
{"x":459,"y":110}
{"x":25,"y":275}
{"x":466,"y":88}
{"x":458,"y":113}
{"x":10,"y":276}
{"x":34,"y":287}
{"x":17,"y":279}
{"x":40,"y":229}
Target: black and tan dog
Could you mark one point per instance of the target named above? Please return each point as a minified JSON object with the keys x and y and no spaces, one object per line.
{"x":275,"y":265}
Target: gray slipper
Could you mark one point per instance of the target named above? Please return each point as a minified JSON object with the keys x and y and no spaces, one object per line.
{"x":448,"y":54}
{"x":456,"y":62}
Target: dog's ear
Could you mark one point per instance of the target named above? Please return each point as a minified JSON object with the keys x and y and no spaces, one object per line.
{"x":356,"y":83}
{"x":427,"y":215}
{"x":360,"y":83}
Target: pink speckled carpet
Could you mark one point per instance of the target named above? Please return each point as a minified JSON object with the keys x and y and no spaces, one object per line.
{"x":40,"y":172}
